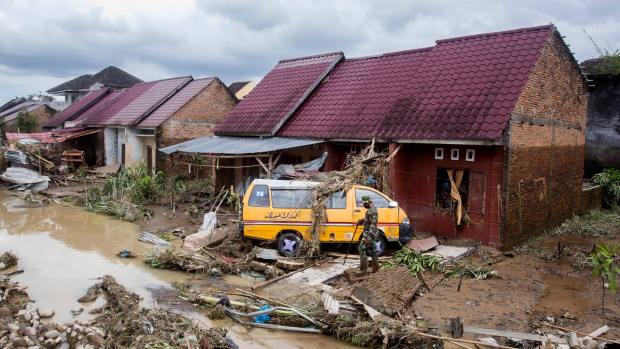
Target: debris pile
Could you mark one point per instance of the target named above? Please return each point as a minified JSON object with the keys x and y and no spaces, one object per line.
{"x":121,"y":324}
{"x":368,"y":168}
{"x":7,"y":260}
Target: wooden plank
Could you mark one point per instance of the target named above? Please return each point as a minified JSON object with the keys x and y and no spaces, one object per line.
{"x":268,"y":282}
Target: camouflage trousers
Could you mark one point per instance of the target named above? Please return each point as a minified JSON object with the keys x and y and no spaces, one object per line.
{"x":368,"y":245}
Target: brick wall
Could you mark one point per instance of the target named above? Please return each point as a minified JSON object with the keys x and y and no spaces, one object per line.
{"x":544,"y":172}
{"x":194,"y":120}
{"x":43,"y":114}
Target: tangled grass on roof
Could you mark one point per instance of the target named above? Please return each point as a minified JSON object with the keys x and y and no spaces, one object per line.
{"x":367,"y":163}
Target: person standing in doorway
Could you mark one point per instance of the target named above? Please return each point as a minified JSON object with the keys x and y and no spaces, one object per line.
{"x":368,"y":241}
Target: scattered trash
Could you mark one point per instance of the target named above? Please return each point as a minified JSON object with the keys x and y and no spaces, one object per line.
{"x":204,"y":236}
{"x":125,"y":253}
{"x":261,"y":319}
{"x":7,"y":260}
{"x":25,"y":179}
{"x":253,"y":276}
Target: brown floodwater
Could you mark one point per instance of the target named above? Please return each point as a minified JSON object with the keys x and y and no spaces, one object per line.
{"x":64,"y":249}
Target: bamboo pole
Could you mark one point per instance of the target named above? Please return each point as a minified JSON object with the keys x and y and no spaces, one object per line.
{"x":237,"y":304}
{"x":581,"y":333}
{"x":458,"y":340}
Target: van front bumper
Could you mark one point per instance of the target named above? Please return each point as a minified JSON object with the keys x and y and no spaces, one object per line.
{"x":405,"y":233}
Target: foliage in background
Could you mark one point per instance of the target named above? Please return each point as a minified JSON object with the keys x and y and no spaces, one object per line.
{"x":234,"y":199}
{"x":2,"y":127}
{"x":609,"y":179}
{"x":124,"y":193}
{"x":26,"y":122}
{"x":608,"y":62}
{"x":604,"y":260}
{"x":596,"y":223}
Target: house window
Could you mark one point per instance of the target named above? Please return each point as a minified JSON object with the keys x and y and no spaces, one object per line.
{"x":470,"y":155}
{"x":438,"y":153}
{"x":460,"y":178}
{"x":454,"y":155}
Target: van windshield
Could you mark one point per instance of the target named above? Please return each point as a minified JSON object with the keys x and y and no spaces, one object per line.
{"x":291,"y":198}
{"x":259,"y":196}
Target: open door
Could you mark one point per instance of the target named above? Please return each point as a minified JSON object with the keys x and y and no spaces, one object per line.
{"x":149,"y":157}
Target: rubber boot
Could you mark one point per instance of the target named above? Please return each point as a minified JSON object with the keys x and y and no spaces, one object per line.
{"x":375,"y":264}
{"x":363,"y":265}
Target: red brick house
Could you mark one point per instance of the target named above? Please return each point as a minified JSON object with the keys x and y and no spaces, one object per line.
{"x":499,"y":117}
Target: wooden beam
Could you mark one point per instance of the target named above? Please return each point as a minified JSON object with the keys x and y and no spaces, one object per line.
{"x":262,"y":164}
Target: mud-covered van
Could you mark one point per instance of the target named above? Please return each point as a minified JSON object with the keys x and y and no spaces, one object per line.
{"x":280,"y":211}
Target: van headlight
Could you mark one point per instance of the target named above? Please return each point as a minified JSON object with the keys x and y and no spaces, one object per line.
{"x":405,"y":221}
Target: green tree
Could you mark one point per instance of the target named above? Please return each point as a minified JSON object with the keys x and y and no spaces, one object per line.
{"x":603,"y":260}
{"x":26,"y":122}
{"x":2,"y":127}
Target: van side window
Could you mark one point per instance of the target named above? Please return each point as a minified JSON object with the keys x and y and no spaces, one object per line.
{"x":291,"y":198}
{"x":378,"y":200}
{"x":337,"y":200}
{"x":259,"y":196}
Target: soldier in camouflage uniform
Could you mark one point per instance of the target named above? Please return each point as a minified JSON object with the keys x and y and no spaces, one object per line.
{"x":368,"y":241}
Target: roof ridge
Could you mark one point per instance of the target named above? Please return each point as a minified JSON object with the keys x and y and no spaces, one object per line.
{"x":314,"y":56}
{"x":395,"y":53}
{"x":206,"y":78}
{"x":512,"y":31}
{"x":167,"y":79}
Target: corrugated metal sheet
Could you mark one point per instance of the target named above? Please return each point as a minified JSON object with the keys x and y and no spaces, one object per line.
{"x":237,"y":145}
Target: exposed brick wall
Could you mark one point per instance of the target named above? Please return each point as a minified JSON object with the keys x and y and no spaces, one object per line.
{"x":544,"y":174}
{"x":43,"y":114}
{"x":194,"y":120}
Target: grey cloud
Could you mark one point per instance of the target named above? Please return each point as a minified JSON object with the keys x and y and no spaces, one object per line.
{"x":241,"y":40}
{"x":256,"y":15}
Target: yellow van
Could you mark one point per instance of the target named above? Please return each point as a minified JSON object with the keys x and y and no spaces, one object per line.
{"x":279,"y":211}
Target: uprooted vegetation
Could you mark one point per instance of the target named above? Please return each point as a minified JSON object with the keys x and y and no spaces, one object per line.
{"x":596,"y":224}
{"x":368,"y":168}
{"x":417,"y":262}
{"x":7,"y":260}
{"x":123,"y":194}
{"x":128,"y":325}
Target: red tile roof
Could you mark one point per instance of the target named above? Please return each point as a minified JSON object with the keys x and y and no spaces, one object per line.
{"x":263,"y":111}
{"x":136,"y":102}
{"x":102,"y":103}
{"x":461,"y":88}
{"x":173,"y":104}
{"x":12,"y":113}
{"x":77,"y":108}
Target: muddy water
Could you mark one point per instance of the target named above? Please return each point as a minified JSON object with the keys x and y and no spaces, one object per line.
{"x":63,"y":249}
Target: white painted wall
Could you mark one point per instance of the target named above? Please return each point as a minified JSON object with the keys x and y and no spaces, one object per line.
{"x":110,"y":139}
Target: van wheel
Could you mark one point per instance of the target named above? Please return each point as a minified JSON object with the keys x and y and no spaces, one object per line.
{"x":381,"y":245}
{"x":288,"y":244}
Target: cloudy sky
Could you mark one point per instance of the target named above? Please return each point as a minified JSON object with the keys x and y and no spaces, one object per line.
{"x":46,"y":42}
